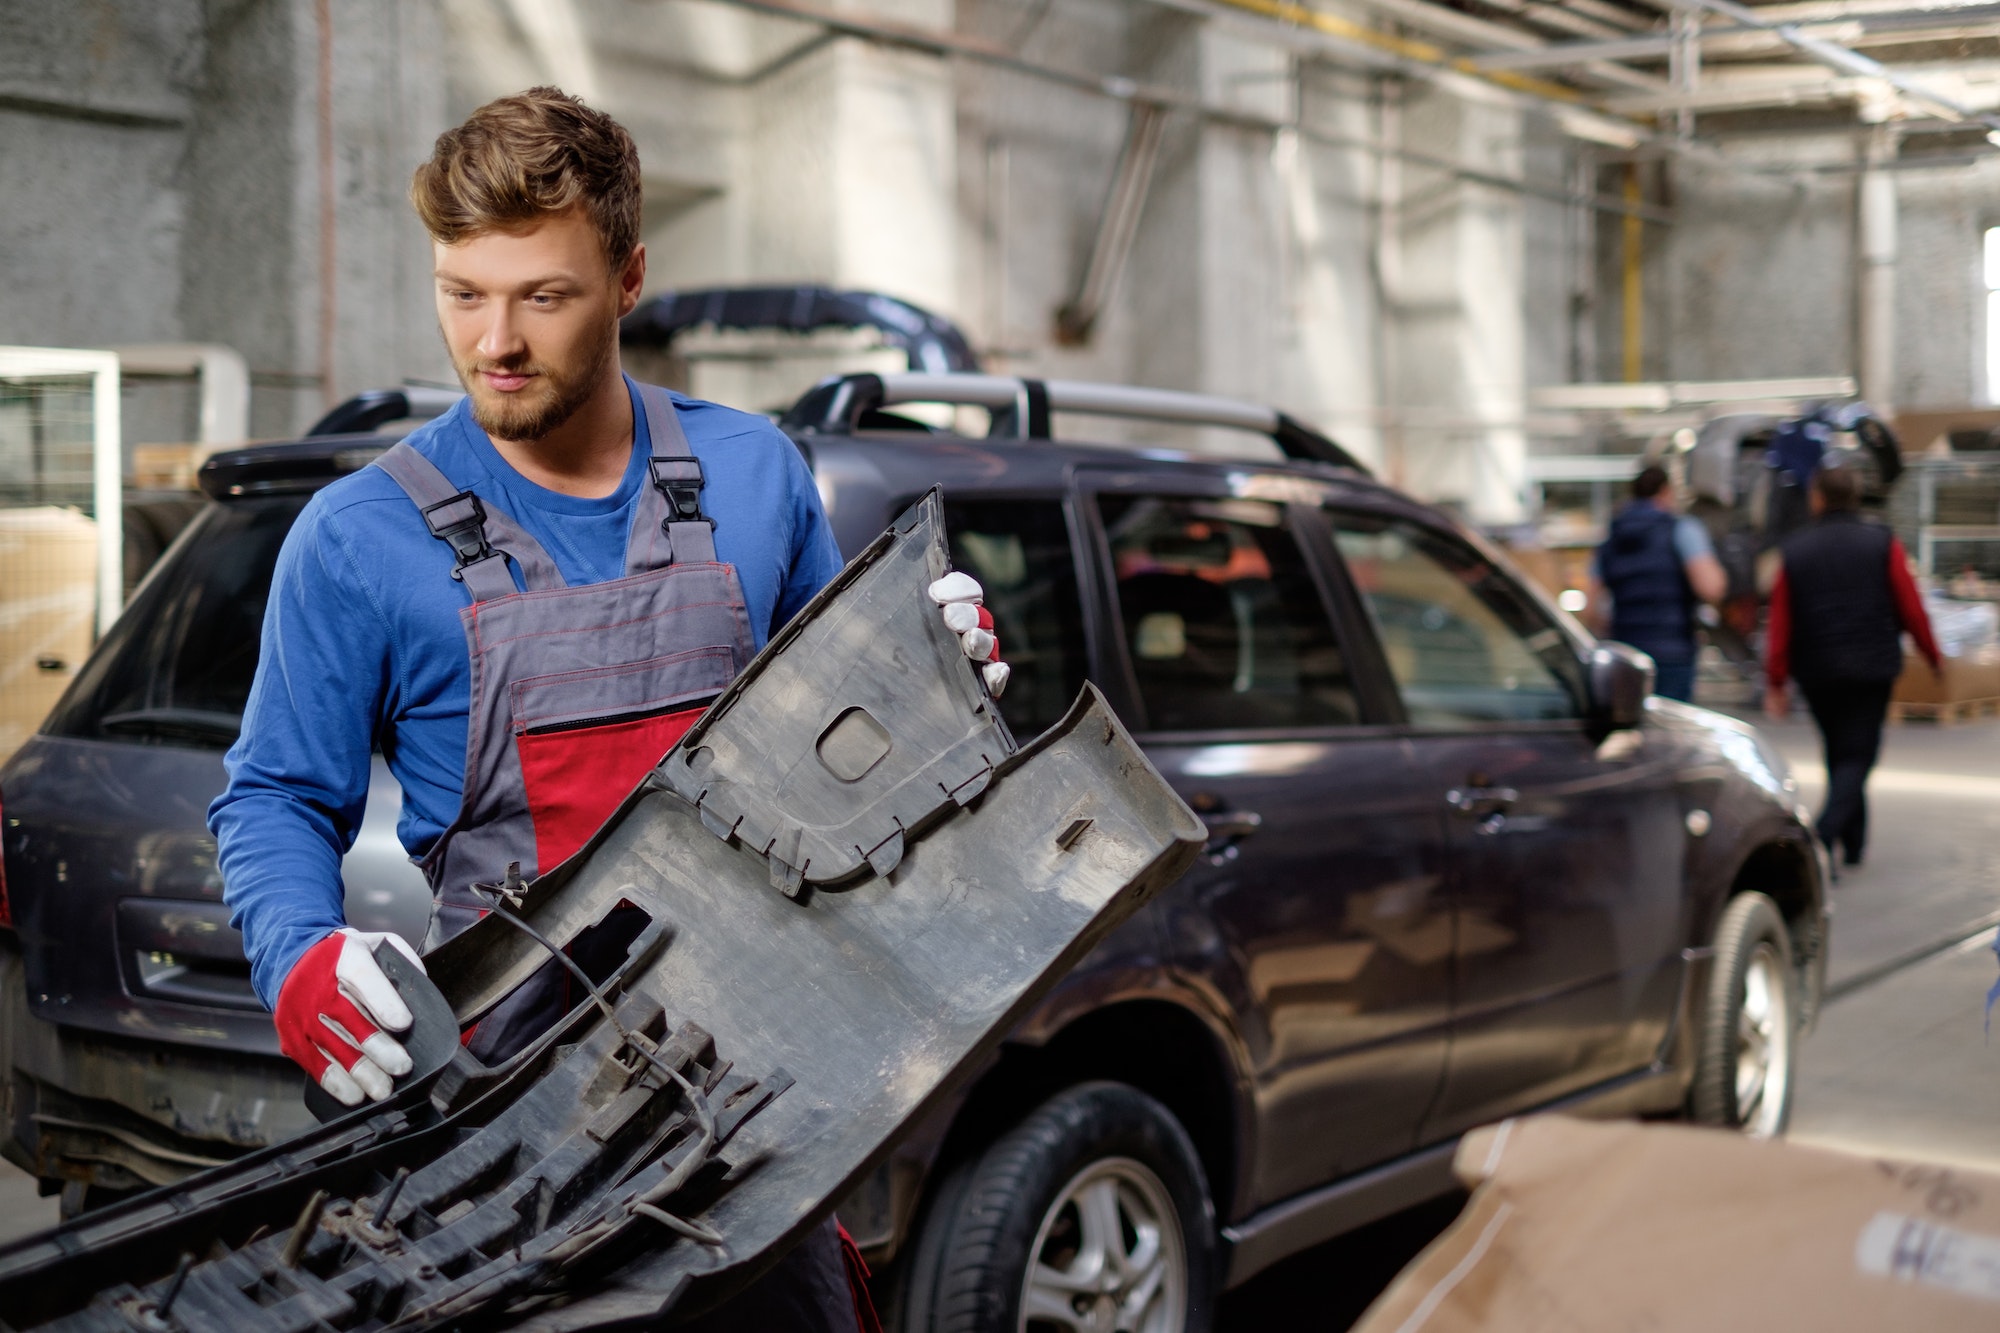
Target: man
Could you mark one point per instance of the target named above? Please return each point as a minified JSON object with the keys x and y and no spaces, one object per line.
{"x":1843,"y":599}
{"x":1654,"y":568}
{"x":522,"y":606}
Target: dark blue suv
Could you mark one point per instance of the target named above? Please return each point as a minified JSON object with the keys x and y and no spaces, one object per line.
{"x":1461,"y":865}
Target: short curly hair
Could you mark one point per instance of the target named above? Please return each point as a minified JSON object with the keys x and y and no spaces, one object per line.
{"x":518,"y":159}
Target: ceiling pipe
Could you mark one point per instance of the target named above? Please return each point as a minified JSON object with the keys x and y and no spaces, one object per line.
{"x":1557,"y":18}
{"x":1613,"y":16}
{"x":1077,"y":317}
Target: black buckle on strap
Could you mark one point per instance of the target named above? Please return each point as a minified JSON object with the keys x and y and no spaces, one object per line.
{"x":461,"y":522}
{"x":681,"y":480}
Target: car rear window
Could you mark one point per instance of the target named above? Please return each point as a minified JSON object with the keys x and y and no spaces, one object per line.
{"x":176,"y":668}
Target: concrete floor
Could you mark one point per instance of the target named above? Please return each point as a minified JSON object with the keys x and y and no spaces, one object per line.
{"x":1899,"y":1064}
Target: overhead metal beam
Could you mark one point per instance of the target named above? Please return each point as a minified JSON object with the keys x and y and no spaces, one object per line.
{"x":1822,"y":11}
{"x":1837,"y":57}
{"x":1741,"y":88}
{"x":1901,"y":25}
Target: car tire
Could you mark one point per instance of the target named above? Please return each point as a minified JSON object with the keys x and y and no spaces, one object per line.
{"x":1748,"y":1036}
{"x":1105,"y":1149}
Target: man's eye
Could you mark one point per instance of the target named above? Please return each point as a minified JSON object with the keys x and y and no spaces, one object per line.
{"x":462,"y":298}
{"x":542,"y":300}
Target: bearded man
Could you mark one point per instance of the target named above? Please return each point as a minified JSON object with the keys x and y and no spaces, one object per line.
{"x":522,"y":606}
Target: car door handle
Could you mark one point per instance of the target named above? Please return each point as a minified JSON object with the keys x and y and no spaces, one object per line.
{"x":1481,"y":801}
{"x":1226,"y":828}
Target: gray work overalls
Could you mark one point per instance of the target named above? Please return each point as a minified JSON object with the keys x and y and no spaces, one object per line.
{"x":576,"y":694}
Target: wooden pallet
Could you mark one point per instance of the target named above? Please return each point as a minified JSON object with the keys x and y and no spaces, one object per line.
{"x":1944,"y":714}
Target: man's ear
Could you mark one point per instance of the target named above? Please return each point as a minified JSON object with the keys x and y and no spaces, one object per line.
{"x":631,"y":280}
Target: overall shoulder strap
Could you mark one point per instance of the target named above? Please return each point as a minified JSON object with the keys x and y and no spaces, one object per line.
{"x":669,"y":526}
{"x":482,"y":540}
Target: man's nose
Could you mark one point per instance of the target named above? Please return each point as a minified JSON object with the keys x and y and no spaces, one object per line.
{"x":499,"y":334}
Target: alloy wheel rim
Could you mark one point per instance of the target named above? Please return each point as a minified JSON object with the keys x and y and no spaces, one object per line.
{"x":1108,"y":1257}
{"x":1763,"y":1044}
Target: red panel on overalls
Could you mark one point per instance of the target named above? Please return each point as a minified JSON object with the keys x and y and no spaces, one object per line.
{"x":575,"y":778}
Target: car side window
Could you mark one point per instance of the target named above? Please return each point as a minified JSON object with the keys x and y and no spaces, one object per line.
{"x":1019,"y":550}
{"x":1464,"y":644}
{"x":1222,"y":621}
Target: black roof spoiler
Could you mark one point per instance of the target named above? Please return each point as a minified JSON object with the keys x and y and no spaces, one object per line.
{"x":374,"y":408}
{"x":931,"y":342}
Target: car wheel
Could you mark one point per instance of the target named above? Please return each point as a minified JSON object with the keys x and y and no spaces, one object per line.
{"x":1091,"y":1215}
{"x":1743,"y":1073}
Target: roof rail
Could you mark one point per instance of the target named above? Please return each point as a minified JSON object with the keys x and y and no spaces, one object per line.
{"x":1021,"y":408}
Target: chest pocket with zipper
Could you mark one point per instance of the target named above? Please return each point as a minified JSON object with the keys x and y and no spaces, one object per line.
{"x":585,"y":738}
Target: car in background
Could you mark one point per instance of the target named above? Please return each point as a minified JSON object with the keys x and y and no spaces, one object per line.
{"x":1460,"y":865}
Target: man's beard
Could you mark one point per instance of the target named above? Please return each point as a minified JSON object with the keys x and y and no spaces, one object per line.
{"x":549,"y":399}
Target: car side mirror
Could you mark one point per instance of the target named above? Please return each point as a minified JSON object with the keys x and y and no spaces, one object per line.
{"x":1620,"y":679}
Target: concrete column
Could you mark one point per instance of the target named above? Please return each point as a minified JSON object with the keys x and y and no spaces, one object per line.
{"x":284,"y":178}
{"x":1875,"y":241}
{"x":1455,"y":311}
{"x":1330,"y":362}
{"x":851,"y":168}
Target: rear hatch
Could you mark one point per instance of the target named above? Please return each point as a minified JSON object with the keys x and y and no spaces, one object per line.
{"x":111,"y":869}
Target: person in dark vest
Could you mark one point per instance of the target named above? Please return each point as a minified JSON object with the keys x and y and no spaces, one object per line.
{"x":1843,"y":600}
{"x":1655,"y":568}
{"x":521,"y":607}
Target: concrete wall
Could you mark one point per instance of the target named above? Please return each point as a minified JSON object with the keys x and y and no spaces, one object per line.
{"x":161,"y":178}
{"x":1759,"y":275}
{"x":159,"y":167}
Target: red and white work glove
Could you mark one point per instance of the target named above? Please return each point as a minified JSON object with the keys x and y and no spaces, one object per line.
{"x":336,"y":1011}
{"x":965,"y":614}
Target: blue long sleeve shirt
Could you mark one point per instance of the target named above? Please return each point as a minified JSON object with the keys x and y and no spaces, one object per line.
{"x":363,"y":648}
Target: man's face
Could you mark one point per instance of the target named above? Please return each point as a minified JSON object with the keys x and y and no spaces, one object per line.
{"x":530,"y":319}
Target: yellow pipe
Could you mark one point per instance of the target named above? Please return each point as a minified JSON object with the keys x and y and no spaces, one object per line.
{"x":1422,"y":52}
{"x":1634,"y":234}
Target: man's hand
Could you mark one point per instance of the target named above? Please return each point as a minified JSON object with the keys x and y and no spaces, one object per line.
{"x":1777,"y":702}
{"x":333,"y":1011}
{"x":962,"y":600}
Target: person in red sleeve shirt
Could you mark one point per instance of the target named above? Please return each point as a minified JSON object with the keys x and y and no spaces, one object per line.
{"x":1843,"y":600}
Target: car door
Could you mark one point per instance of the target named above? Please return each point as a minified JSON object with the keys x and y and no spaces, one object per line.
{"x":1565,"y":849}
{"x":1317,"y":916}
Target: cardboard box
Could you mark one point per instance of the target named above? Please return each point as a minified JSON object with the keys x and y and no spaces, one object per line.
{"x":1974,"y":676}
{"x":1583,"y":1227}
{"x":1555,"y":570}
{"x":48,"y":612}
